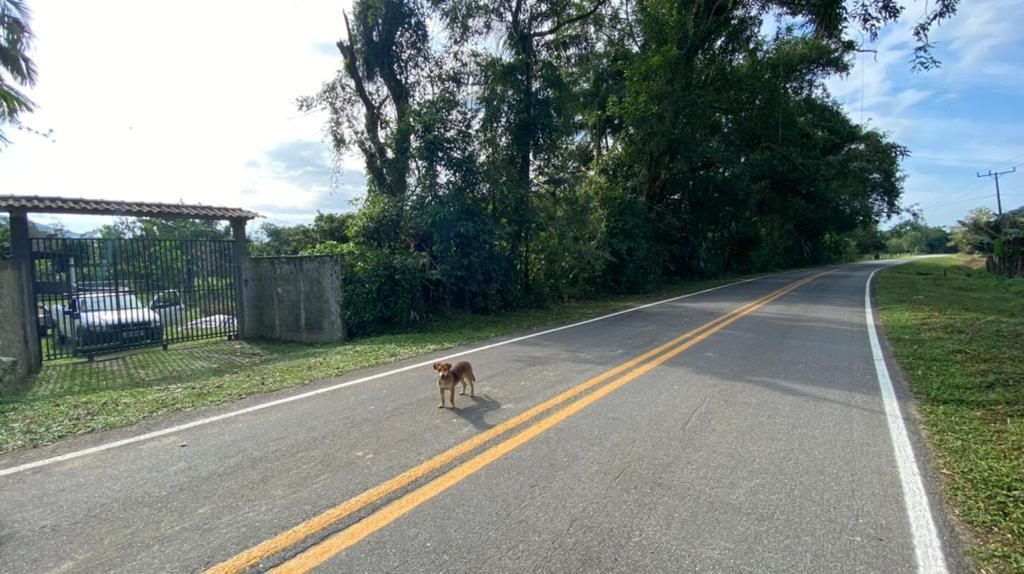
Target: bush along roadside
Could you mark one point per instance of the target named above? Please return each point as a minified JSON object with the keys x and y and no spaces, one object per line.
{"x":958,"y":334}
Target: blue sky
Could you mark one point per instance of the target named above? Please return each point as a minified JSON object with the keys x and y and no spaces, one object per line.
{"x":957,"y":120}
{"x":149,"y":102}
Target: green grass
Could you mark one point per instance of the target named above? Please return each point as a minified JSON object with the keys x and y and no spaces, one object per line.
{"x":958,"y":334}
{"x":74,"y":397}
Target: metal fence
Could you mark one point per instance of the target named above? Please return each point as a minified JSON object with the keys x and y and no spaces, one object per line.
{"x":101,"y":295}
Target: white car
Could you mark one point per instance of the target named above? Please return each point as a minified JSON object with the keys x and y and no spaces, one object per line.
{"x":103,"y":319}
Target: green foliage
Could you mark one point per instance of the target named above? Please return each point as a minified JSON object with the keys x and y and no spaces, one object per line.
{"x":527,"y":153}
{"x":151,"y":228}
{"x":5,"y":238}
{"x":15,"y":42}
{"x":271,"y":239}
{"x":956,"y":332}
{"x":913,"y":235}
{"x":380,"y":288}
{"x":635,"y":260}
{"x":838,"y":249}
{"x":1002,"y":238}
{"x":974,"y":233}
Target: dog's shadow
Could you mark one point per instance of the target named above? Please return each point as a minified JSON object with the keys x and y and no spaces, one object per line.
{"x":477,"y":410}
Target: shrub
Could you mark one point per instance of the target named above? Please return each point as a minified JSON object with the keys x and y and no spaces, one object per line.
{"x":380,"y":289}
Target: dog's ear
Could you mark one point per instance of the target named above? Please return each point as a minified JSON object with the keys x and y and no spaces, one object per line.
{"x":434,"y":366}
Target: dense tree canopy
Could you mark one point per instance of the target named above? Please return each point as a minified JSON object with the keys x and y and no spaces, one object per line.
{"x":526,"y":151}
{"x":1000,"y":238}
{"x":272,"y":239}
{"x":915,"y":236}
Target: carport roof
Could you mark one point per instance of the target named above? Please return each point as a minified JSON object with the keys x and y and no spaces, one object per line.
{"x":41,"y":204}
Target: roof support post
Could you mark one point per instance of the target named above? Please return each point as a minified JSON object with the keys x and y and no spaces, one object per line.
{"x":21,"y":253}
{"x":241,"y":251}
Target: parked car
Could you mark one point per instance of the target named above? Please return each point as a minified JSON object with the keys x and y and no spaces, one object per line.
{"x":103,"y":319}
{"x":169,"y":306}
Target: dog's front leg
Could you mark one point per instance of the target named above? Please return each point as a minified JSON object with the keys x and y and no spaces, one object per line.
{"x":441,"y":406}
{"x":451,"y":397}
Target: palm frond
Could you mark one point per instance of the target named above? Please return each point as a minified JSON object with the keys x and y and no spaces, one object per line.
{"x":15,"y":41}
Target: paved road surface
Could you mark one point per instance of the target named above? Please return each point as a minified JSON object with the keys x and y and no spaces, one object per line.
{"x":762,"y":447}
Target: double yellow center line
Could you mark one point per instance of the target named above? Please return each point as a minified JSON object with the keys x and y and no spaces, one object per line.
{"x":380,"y":518}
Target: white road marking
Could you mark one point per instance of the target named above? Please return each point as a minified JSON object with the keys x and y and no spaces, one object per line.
{"x":306,"y":395}
{"x":927,"y":546}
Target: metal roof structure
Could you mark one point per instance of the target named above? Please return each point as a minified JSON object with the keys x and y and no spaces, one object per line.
{"x":42,"y":204}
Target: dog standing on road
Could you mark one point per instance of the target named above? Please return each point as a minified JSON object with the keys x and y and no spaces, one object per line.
{"x":448,"y":376}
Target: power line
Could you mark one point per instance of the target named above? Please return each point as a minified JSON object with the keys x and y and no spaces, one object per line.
{"x":999,"y":200}
{"x":962,"y":201}
{"x":965,"y":186}
{"x":1009,"y":161}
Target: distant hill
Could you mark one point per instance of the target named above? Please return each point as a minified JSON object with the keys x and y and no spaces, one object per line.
{"x":53,"y":230}
{"x":41,"y":229}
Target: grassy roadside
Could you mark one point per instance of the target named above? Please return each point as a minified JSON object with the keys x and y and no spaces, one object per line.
{"x":71,"y":398}
{"x":958,"y":334}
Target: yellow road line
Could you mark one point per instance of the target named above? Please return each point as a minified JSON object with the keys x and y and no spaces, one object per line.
{"x":350,"y":536}
{"x":296,"y":534}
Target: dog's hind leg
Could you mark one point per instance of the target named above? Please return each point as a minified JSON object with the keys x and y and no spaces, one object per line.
{"x":463,"y":387}
{"x":472,"y":382}
{"x":451,"y":396}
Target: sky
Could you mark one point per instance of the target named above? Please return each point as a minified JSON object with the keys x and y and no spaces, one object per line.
{"x":182,"y":101}
{"x":195,"y":102}
{"x":959,"y":120}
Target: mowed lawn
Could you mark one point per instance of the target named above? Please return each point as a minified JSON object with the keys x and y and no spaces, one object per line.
{"x":958,"y":334}
{"x":74,"y":397}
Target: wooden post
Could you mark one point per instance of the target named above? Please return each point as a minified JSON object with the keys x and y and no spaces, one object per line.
{"x":21,"y":253}
{"x":241,"y":275}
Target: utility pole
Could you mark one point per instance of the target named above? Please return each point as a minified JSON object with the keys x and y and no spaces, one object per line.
{"x":999,"y":200}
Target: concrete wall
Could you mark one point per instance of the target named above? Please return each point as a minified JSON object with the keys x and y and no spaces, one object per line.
{"x":293,"y":299}
{"x":16,"y":336}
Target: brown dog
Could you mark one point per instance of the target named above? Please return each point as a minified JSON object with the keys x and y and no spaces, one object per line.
{"x":448,"y":376}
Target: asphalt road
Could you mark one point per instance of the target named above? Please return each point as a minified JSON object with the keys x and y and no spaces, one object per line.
{"x":763,"y":447}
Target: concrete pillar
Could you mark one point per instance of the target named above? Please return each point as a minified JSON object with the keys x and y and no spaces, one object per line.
{"x":21,"y":253}
{"x":241,"y":250}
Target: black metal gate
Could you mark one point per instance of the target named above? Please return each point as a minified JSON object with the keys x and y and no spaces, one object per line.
{"x":100,"y":295}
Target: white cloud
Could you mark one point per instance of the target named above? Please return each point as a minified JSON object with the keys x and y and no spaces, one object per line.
{"x":190,"y":101}
{"x":908,"y":98}
{"x":980,"y":32}
{"x":176,"y":101}
{"x":955,"y":120}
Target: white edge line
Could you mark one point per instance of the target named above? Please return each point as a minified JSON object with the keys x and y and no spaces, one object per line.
{"x":259,"y":407}
{"x":927,"y":547}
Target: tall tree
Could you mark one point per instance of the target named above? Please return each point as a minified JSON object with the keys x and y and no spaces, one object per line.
{"x":524,"y":97}
{"x":385,"y":61}
{"x":526,"y":151}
